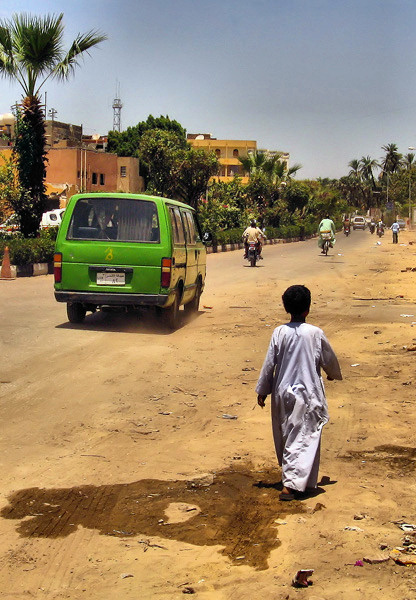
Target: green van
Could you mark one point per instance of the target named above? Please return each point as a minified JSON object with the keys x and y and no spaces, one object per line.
{"x":129,"y":250}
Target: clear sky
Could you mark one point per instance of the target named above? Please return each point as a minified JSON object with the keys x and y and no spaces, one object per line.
{"x":326,"y":80}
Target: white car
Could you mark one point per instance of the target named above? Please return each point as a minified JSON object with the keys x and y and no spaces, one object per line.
{"x":52,"y":218}
{"x":358,"y":223}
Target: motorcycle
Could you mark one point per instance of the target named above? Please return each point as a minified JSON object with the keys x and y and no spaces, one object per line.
{"x":347,"y":230}
{"x":252,"y":254}
{"x":372,"y":227}
{"x":380,"y":231}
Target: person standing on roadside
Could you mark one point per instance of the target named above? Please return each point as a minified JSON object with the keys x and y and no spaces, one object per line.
{"x":291,"y":373}
{"x":395,"y":229}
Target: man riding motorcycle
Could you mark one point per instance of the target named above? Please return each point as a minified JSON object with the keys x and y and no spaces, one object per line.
{"x":380,"y":228}
{"x":326,"y":226}
{"x":346,"y":225}
{"x":253,"y":234}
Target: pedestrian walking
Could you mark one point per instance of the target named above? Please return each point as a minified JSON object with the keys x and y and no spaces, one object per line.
{"x":291,"y":373}
{"x":395,"y":229}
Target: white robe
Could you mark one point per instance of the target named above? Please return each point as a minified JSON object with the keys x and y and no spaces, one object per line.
{"x":291,"y":373}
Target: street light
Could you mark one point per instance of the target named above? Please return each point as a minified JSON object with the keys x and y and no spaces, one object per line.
{"x":410,"y":184}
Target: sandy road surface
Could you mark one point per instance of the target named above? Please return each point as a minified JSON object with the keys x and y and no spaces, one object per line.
{"x":121,"y":479}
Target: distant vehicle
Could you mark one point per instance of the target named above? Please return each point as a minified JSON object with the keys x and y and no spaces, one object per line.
{"x":52,"y":218}
{"x":358,"y":223}
{"x":402,"y":223}
{"x":10,"y":225}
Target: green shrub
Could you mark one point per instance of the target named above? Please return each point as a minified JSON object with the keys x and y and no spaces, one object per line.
{"x":25,"y":251}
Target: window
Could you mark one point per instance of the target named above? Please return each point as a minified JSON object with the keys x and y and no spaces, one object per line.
{"x":102,"y":179}
{"x":189,"y":227}
{"x":235,"y":152}
{"x":123,"y":171}
{"x":94,"y":179}
{"x":177,"y":226}
{"x":118,"y":219}
{"x":218,"y":152}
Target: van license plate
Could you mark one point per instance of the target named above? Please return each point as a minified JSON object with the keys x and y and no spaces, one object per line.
{"x":111,"y":278}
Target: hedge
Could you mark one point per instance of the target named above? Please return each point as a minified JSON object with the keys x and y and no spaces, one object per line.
{"x":233,"y":236}
{"x":24,"y":251}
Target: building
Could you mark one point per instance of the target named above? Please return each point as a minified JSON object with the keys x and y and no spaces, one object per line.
{"x":74,"y":170}
{"x":77,"y":163}
{"x":63,"y":135}
{"x":227,"y":152}
{"x":7,"y":122}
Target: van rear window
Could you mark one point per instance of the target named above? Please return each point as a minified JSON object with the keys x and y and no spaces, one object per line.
{"x":118,"y":219}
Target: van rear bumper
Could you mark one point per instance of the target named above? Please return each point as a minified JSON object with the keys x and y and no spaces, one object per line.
{"x":108,"y":299}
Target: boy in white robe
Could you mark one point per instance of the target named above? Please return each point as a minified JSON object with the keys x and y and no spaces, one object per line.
{"x":291,"y":373}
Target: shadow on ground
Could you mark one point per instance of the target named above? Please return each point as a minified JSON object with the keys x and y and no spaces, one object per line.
{"x":235,"y":508}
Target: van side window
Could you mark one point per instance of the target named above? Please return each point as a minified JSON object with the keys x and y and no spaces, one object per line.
{"x":177,"y":225}
{"x":189,"y":227}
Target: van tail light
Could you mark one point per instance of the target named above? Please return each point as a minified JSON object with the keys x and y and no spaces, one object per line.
{"x":57,"y":267}
{"x":166,"y":272}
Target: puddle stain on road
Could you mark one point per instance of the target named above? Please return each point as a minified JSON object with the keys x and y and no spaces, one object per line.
{"x":397,"y":458}
{"x":237,"y":511}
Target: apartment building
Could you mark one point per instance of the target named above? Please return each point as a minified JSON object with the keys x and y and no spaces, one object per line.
{"x":227,"y":152}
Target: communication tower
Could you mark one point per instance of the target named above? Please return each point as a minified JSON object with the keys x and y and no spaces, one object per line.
{"x":117,"y":106}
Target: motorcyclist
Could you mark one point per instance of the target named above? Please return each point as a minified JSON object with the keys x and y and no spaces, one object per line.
{"x":327,"y":225}
{"x":253,"y":234}
{"x":372,"y":226}
{"x":346,"y":224}
{"x":380,"y":227}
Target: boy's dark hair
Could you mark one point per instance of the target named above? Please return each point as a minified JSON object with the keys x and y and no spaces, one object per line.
{"x":296,"y":299}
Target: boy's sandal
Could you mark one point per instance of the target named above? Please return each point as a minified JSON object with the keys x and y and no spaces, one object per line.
{"x":284,"y":496}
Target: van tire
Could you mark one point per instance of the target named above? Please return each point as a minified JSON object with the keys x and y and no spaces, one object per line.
{"x":76,"y":312}
{"x":193,"y":305}
{"x":170,"y":315}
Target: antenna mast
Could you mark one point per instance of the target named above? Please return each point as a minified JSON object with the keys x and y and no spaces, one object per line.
{"x":117,"y":106}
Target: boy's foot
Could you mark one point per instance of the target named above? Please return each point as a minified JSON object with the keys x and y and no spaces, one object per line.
{"x":287,"y":495}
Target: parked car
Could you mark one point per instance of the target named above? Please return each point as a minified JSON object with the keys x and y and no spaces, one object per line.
{"x":358,"y":223}
{"x":52,"y":218}
{"x":127,"y":250}
{"x":402,"y":223}
{"x":10,"y":225}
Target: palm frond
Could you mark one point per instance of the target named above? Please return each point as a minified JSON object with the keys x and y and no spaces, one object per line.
{"x":79,"y":46}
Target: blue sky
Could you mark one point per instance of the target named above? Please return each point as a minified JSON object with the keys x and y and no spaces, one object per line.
{"x":326,"y":80}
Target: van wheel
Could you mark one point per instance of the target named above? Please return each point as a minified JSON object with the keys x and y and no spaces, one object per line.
{"x":193,"y":305}
{"x":170,"y":315}
{"x":76,"y":312}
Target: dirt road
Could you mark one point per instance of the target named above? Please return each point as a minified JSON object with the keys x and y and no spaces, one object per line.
{"x":124,"y":477}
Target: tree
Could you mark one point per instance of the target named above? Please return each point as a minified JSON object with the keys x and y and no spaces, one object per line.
{"x":194,"y":170}
{"x":9,"y":188}
{"x":158,"y":150}
{"x":392,"y":160}
{"x":126,"y":143}
{"x":175,"y":170}
{"x":31,"y":52}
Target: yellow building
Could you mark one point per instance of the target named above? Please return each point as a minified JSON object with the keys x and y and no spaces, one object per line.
{"x":227,"y":152}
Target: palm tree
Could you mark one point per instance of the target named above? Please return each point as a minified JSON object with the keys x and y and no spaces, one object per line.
{"x":366,"y":168}
{"x":392,"y":160}
{"x":32,"y":52}
{"x":355,"y":168}
{"x":253,"y":162}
